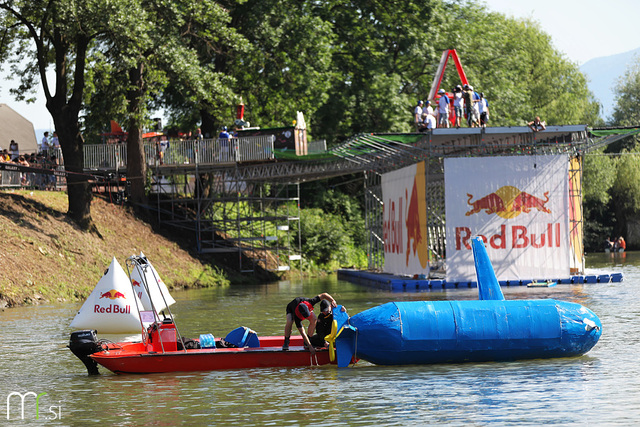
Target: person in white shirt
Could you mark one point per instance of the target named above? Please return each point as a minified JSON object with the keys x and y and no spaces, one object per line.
{"x":429,"y":109}
{"x":417,"y":115}
{"x":458,"y":104}
{"x":44,"y":145}
{"x":483,"y":106}
{"x":429,"y":122}
{"x":443,"y":109}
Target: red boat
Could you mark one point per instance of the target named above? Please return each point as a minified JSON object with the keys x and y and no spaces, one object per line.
{"x":163,"y":349}
{"x":160,"y":351}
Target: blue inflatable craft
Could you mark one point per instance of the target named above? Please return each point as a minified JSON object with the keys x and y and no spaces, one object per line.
{"x":490,"y":329}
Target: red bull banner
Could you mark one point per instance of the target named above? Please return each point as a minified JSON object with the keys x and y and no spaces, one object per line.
{"x":406,"y":249}
{"x":518,"y":205}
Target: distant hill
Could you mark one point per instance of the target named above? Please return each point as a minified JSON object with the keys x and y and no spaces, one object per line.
{"x":603,"y":73}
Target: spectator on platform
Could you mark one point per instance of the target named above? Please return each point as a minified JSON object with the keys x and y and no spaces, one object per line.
{"x":484,"y":110}
{"x":24,"y":176}
{"x":471,"y":107}
{"x":162,"y":144}
{"x":536,"y":125}
{"x":198,"y":136}
{"x":429,"y":122}
{"x":428,"y":108}
{"x":52,"y":163}
{"x":417,"y":115}
{"x":55,"y":142}
{"x":14,"y":150}
{"x":44,"y":144}
{"x":458,"y":104}
{"x":223,"y":139}
{"x":300,"y":309}
{"x":443,"y":109}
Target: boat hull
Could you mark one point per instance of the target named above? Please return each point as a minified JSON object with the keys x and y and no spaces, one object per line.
{"x":134,"y":358}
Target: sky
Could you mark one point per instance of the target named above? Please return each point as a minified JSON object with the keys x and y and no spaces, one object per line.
{"x":581,"y":29}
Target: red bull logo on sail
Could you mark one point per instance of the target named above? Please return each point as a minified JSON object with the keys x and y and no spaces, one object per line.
{"x":112,"y":294}
{"x":112,"y":308}
{"x":508,"y":202}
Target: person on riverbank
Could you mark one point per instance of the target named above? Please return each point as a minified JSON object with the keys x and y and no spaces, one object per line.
{"x":300,"y":309}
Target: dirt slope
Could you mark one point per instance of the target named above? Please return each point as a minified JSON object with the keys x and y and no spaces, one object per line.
{"x":45,"y":257}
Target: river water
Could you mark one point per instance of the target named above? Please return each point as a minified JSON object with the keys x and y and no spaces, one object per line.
{"x":600,"y":388}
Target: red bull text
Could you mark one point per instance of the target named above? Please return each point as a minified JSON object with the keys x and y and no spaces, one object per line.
{"x":112,"y":308}
{"x":392,"y":228}
{"x":519,"y":237}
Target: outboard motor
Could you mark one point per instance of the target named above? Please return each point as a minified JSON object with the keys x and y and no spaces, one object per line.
{"x":84,"y":343}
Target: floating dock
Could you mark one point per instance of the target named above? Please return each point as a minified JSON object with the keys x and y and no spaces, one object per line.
{"x":405,"y":284}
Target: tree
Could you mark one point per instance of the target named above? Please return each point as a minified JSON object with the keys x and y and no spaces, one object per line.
{"x":599,"y":175}
{"x":627,"y":109}
{"x":58,"y":34}
{"x":626,"y":193}
{"x":142,"y":61}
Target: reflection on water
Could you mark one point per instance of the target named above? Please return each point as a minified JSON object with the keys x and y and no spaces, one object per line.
{"x":599,"y":388}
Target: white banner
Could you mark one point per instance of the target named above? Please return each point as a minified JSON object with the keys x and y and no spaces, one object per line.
{"x":405,"y":221}
{"x":519,"y":205}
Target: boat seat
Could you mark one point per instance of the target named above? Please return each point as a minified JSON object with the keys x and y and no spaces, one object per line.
{"x":243,"y":337}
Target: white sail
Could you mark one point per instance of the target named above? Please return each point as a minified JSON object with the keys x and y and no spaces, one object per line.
{"x":143,"y":272}
{"x":112,"y":307}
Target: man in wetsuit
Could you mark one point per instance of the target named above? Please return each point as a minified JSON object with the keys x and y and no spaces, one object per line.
{"x":323,"y":325}
{"x":302,"y":309}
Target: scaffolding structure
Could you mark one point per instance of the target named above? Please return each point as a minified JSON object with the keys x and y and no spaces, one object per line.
{"x":258,"y":221}
{"x":253,"y":207}
{"x":434,"y":147}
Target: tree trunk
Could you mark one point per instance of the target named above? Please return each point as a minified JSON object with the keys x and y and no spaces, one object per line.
{"x":136,"y":164}
{"x":78,"y":188}
{"x":208,"y":124}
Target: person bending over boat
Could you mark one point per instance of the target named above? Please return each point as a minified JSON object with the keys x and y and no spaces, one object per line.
{"x":301,"y":309}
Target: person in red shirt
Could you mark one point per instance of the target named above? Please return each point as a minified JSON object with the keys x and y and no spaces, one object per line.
{"x":300,"y":309}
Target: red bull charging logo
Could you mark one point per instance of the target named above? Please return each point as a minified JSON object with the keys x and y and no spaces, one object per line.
{"x":112,"y":294}
{"x":508,"y":202}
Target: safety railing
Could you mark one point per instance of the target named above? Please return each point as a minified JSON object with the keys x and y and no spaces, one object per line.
{"x":176,"y":152}
{"x":10,"y":179}
{"x":319,"y":146}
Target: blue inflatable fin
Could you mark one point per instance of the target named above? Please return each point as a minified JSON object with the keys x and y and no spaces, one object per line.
{"x":488,"y":286}
{"x":345,"y":340}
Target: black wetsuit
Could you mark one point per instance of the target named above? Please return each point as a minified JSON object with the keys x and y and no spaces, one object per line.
{"x":323,"y":328}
